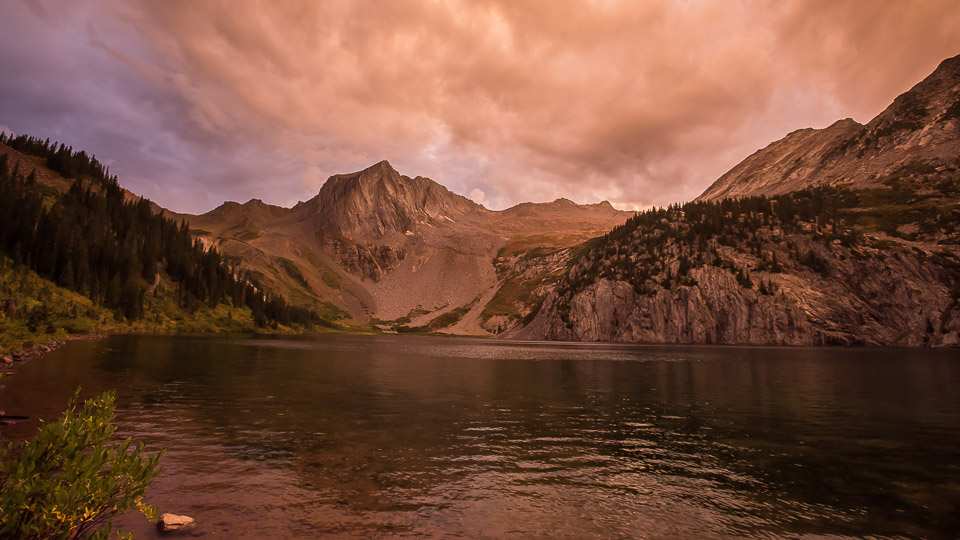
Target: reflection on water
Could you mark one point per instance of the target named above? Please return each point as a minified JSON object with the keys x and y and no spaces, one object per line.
{"x":352,"y":435}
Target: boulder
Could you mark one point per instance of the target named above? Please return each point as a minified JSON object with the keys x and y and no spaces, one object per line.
{"x":174,"y":522}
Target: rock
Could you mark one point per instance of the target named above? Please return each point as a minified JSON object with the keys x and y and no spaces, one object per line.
{"x":6,"y":359}
{"x":174,"y":522}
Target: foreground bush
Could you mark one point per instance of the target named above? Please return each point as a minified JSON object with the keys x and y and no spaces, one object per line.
{"x":70,"y":481}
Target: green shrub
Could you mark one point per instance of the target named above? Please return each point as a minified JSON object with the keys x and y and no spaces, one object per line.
{"x":294,"y":271}
{"x":71,"y":480}
{"x":331,"y":278}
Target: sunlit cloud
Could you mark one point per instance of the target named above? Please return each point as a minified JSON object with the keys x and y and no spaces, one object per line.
{"x":639,"y":103}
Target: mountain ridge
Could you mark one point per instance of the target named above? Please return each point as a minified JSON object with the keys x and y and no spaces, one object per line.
{"x":921,"y":124}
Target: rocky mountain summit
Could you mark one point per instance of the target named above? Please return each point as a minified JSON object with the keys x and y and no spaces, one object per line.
{"x":922,"y":124}
{"x":401,"y":252}
{"x":379,"y":202}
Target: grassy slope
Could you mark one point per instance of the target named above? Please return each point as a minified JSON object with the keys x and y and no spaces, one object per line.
{"x":46,"y":312}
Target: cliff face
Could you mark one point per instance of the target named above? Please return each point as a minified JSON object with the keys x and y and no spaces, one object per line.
{"x":901,"y":301}
{"x":921,"y":124}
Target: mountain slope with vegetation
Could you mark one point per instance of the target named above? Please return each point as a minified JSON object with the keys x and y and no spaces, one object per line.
{"x":848,"y":235}
{"x":819,"y":266}
{"x":120,"y":253}
{"x":837,"y":236}
{"x":372,"y":248}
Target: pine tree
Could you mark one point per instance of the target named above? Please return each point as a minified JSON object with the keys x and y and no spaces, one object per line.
{"x":111,"y":297}
{"x":66,"y":277}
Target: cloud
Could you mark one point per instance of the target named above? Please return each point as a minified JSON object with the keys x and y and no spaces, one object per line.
{"x":635,"y":102}
{"x":478,"y":196}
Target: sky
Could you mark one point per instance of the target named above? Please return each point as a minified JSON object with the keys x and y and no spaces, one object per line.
{"x":639,"y":103}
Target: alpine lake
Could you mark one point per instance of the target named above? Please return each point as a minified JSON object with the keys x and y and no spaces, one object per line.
{"x":315,"y":436}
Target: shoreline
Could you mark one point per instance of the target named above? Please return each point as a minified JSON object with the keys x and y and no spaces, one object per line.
{"x":12,"y":360}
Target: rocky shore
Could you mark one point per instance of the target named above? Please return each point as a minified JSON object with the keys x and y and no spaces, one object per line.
{"x":19,"y":357}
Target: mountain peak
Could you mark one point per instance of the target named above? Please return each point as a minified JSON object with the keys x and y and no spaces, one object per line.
{"x":950,"y":65}
{"x":382,"y":165}
{"x":378,"y":201}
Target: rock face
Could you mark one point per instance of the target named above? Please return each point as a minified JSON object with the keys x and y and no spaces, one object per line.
{"x":378,"y":202}
{"x":365,"y":218}
{"x":923,"y":124}
{"x":895,"y":302}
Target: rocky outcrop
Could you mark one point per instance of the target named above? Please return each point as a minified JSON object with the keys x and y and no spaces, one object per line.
{"x":785,"y":165}
{"x":378,"y":202}
{"x":371,"y":261}
{"x":921,"y":125}
{"x":898,"y":301}
{"x":251,"y":213}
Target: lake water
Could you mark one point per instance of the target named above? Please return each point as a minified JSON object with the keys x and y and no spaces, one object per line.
{"x":393,"y":435}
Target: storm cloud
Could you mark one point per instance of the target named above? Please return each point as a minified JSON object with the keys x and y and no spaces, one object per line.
{"x":639,"y":103}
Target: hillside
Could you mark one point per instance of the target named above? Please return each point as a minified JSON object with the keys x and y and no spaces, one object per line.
{"x":85,"y":247}
{"x":921,"y":125}
{"x":819,"y":266}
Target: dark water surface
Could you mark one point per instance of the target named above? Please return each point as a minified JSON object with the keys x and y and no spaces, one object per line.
{"x":373,"y":436}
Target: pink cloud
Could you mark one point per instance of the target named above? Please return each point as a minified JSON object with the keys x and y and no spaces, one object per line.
{"x":639,"y":103}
